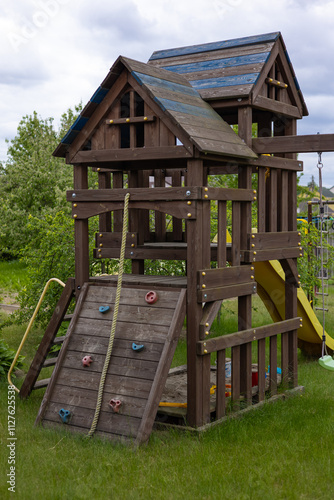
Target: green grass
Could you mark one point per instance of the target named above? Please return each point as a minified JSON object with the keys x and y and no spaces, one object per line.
{"x":12,"y":275}
{"x":283,"y":450}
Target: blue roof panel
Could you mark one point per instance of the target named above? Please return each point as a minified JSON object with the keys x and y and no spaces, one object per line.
{"x":213,"y":64}
{"x":195,"y":49}
{"x":143,"y":79}
{"x":225,"y":81}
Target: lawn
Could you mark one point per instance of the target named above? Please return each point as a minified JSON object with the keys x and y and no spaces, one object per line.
{"x":283,"y":450}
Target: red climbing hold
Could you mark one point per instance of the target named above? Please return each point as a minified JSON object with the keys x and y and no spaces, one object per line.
{"x":115,"y":404}
{"x":151,"y":297}
{"x":86,"y":361}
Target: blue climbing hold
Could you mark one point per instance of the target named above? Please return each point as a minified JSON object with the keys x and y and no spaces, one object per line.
{"x":64,"y":415}
{"x":136,"y":347}
{"x":104,"y":309}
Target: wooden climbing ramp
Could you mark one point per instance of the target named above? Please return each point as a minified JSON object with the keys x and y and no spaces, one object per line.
{"x":148,"y":326}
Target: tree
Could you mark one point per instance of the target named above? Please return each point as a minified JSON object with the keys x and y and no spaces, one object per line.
{"x":32,"y":181}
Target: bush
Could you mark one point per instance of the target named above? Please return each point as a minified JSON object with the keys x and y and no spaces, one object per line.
{"x":6,"y":358}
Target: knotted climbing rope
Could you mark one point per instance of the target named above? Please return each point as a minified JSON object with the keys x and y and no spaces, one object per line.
{"x":114,"y":320}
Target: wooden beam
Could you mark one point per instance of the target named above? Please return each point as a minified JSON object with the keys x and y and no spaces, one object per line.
{"x":106,"y":156}
{"x":277,"y":162}
{"x":234,"y":339}
{"x":294,"y":144}
{"x":278,"y":107}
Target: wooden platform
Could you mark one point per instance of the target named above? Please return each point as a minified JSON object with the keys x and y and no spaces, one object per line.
{"x":136,"y":378}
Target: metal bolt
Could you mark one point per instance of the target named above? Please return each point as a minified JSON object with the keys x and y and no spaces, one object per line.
{"x":205,"y":295}
{"x":188,"y":193}
{"x":131,"y":253}
{"x":73,"y":195}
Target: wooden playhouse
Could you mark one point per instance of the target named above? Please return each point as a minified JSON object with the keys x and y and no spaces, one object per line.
{"x":157,"y":131}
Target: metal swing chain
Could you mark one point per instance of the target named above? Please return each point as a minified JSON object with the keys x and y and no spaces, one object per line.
{"x":321,"y":206}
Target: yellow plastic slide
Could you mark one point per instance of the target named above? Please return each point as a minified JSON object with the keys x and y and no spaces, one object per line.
{"x":270,"y":278}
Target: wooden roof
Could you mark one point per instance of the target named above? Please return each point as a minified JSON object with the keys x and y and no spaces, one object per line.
{"x":233,"y":69}
{"x":183,"y":110}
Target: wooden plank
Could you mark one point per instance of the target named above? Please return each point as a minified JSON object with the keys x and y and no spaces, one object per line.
{"x":272,"y":254}
{"x":210,"y":311}
{"x":223,"y":72}
{"x":277,"y":162}
{"x":220,"y":383}
{"x":144,"y":253}
{"x":177,"y":223}
{"x":133,"y":366}
{"x":261,"y":355}
{"x":227,"y":276}
{"x":162,"y":371}
{"x":107,"y":156}
{"x":261,"y":102}
{"x":236,"y":224}
{"x":223,"y":148}
{"x":194,"y":309}
{"x":221,"y":249}
{"x":273,"y":365}
{"x":109,"y":421}
{"x":238,"y":91}
{"x":99,"y":294}
{"x":217,"y":53}
{"x":271,"y":205}
{"x":48,"y":338}
{"x":266,"y":241}
{"x":294,"y":144}
{"x":81,"y":397}
{"x":132,"y":119}
{"x":81,"y":236}
{"x":228,"y":194}
{"x":135,"y":314}
{"x":261,"y":196}
{"x":129,"y":386}
{"x":137,"y":194}
{"x":242,"y":337}
{"x":102,"y":328}
{"x":181,"y":210}
{"x":114,"y":240}
{"x":226,"y":292}
{"x":61,"y":355}
{"x":220,"y":63}
{"x":236,"y":377}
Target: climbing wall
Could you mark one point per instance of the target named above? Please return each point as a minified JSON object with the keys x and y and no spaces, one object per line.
{"x":148,"y":326}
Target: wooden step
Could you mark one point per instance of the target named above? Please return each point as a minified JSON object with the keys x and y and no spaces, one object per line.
{"x":50,"y":362}
{"x":41,"y":383}
{"x":58,"y":340}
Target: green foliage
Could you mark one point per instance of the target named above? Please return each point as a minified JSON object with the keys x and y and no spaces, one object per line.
{"x":6,"y":358}
{"x":32,"y":182}
{"x":309,"y":263}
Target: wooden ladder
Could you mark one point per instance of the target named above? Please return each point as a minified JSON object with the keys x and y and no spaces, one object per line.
{"x":49,"y":339}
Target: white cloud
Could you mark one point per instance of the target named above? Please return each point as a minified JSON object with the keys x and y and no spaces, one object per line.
{"x":55,"y":53}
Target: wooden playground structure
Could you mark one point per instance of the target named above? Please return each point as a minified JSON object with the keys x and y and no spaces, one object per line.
{"x":157,"y":131}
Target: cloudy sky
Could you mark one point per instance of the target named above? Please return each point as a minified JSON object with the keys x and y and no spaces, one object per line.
{"x":55,"y":53}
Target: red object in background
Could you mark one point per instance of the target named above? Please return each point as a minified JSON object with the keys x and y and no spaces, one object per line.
{"x":255,"y":378}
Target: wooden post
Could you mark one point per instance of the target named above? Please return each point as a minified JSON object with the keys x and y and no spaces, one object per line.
{"x":198,"y":257}
{"x":137,"y":264}
{"x":81,"y":234}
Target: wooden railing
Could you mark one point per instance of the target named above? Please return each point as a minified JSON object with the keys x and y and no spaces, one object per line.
{"x":242,"y":381}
